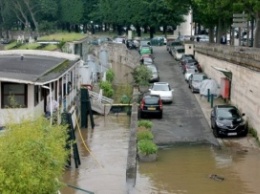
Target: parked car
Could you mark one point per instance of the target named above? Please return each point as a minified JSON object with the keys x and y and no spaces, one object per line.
{"x":178,"y":52}
{"x":119,"y":40}
{"x":202,"y":38}
{"x":147,"y":61}
{"x":190,"y":62}
{"x":145,"y":50}
{"x":163,"y":89}
{"x":195,"y":81}
{"x":155,"y":73}
{"x":186,"y":57}
{"x":226,"y":120}
{"x":157,"y":41}
{"x":189,"y":72}
{"x":151,"y":105}
{"x":174,"y":44}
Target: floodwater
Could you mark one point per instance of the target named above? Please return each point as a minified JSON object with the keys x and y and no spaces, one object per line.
{"x":186,"y":169}
{"x":179,"y":169}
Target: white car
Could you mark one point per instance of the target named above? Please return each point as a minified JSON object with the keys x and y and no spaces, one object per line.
{"x":162,"y":89}
{"x":178,"y":52}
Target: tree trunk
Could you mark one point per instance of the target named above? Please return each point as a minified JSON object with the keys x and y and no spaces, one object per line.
{"x":35,"y":23}
{"x":211,"y":34}
{"x":138,"y":30}
{"x":152,"y":30}
{"x":257,"y":32}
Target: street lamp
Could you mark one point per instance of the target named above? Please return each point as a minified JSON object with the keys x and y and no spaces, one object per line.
{"x":51,"y":111}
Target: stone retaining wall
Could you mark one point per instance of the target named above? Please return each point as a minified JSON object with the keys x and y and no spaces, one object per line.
{"x":122,"y":61}
{"x":244,"y":63}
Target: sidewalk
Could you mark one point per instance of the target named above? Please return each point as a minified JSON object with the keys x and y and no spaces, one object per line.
{"x":240,"y":143}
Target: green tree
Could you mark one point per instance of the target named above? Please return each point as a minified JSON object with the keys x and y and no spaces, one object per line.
{"x":32,"y":157}
{"x":252,"y":8}
{"x":71,"y":12}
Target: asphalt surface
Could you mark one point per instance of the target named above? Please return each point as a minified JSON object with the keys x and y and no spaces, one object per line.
{"x":183,"y":121}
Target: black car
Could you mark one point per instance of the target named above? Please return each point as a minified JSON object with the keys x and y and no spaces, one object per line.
{"x":226,"y":120}
{"x":151,"y":105}
{"x":186,"y":62}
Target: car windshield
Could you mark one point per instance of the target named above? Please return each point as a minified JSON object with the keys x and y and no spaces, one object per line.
{"x":187,"y":57}
{"x":161,"y":87}
{"x":148,"y":59}
{"x":228,"y":113}
{"x":180,"y":50}
{"x":198,"y":77}
{"x":191,"y":61}
{"x":176,"y":44}
{"x":151,"y":100}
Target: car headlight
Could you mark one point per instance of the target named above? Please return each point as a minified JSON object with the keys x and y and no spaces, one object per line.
{"x":219,"y":124}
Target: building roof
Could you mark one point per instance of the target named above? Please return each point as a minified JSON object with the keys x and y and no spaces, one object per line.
{"x":28,"y":68}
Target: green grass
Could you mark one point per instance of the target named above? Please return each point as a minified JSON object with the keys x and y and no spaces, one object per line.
{"x":65,"y":36}
{"x":50,"y":47}
{"x":120,"y":90}
{"x":30,"y":46}
{"x":10,"y":45}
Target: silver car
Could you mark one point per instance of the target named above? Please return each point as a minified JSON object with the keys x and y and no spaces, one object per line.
{"x":155,"y":73}
{"x":162,"y":89}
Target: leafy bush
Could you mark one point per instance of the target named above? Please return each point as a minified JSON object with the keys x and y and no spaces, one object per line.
{"x":144,"y":134}
{"x":107,"y":88}
{"x":142,"y":75}
{"x":145,"y":123}
{"x":147,"y":147}
{"x":32,"y":157}
{"x":110,"y":75}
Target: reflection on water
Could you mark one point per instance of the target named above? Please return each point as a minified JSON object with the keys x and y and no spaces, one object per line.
{"x":103,"y":169}
{"x":186,"y":169}
{"x":179,"y":169}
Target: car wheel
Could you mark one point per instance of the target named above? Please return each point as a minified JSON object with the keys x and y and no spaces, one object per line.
{"x":160,"y":115}
{"x":141,"y":115}
{"x":215,"y":132}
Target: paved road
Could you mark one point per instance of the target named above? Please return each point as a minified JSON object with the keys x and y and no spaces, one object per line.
{"x":183,"y":120}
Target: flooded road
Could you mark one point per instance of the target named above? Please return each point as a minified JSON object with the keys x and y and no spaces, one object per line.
{"x":186,"y":169}
{"x":103,"y":170}
{"x":179,"y":169}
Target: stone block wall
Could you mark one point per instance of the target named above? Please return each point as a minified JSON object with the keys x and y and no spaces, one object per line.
{"x":245,"y":67}
{"x":122,"y":61}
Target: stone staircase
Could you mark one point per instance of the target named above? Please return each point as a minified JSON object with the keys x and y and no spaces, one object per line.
{"x":100,"y":103}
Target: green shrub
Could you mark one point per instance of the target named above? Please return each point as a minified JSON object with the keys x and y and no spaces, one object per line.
{"x":253,"y":132}
{"x":145,"y":123}
{"x":144,"y":134}
{"x":110,"y":75}
{"x":142,"y":75}
{"x":107,"y":88}
{"x":147,"y":147}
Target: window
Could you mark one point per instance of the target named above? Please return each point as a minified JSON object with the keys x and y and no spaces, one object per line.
{"x":14,"y":95}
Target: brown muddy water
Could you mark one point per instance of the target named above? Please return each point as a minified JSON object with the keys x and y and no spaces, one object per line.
{"x":186,"y":169}
{"x":178,"y":170}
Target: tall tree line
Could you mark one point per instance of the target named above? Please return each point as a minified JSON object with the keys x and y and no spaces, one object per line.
{"x":45,"y":15}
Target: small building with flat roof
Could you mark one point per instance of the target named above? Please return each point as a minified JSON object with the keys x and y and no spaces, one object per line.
{"x":29,"y":79}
